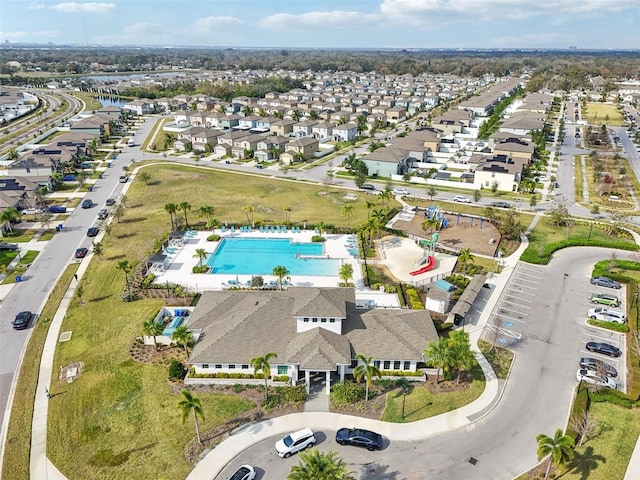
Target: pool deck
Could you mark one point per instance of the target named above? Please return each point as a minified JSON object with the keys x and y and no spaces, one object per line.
{"x":398,"y":255}
{"x":179,"y":268}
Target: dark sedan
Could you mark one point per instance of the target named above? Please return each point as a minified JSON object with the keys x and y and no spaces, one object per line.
{"x":110,"y":202}
{"x":596,"y":365}
{"x":604,"y":349}
{"x":93,"y":231}
{"x":9,"y":247}
{"x":22,"y":320}
{"x":359,"y":438}
{"x":81,"y":252}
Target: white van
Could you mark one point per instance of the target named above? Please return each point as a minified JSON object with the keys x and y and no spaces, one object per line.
{"x":131,"y":143}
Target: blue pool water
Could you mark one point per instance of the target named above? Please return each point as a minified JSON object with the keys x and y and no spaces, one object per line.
{"x":259,"y":256}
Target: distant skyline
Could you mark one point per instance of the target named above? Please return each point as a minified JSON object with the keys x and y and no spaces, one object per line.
{"x":490,"y":24}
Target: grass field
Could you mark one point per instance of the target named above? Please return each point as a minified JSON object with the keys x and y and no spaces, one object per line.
{"x":19,"y":431}
{"x":420,"y":403}
{"x":604,"y":113}
{"x":89,"y":99}
{"x":95,"y":422}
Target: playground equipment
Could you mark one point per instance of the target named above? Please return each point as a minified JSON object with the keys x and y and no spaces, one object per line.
{"x":428,"y":259}
{"x":436,"y":212}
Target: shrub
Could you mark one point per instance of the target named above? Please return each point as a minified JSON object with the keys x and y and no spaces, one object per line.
{"x":238,"y":387}
{"x":213,"y":238}
{"x":414,"y":299}
{"x":148,"y":280}
{"x":531,"y":255}
{"x":317,"y":239}
{"x":400,"y":373}
{"x":177,"y":370}
{"x":202,"y":269}
{"x":611,"y":396}
{"x":616,"y":327}
{"x":346,"y":393}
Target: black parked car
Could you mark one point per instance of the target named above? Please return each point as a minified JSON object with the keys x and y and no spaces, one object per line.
{"x":604,"y":348}
{"x":81,"y":252}
{"x":22,"y":320}
{"x":110,"y":202}
{"x":8,"y":247}
{"x":93,"y":231}
{"x":359,"y":438}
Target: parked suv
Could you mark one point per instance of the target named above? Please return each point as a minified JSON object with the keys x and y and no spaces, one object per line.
{"x":590,"y":376}
{"x":607,"y":315}
{"x":294,"y":442}
{"x":103,"y":214}
{"x":461,"y":199}
{"x":86,"y":203}
{"x":605,"y":299}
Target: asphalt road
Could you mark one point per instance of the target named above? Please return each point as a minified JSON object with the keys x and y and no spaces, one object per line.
{"x":551,"y":317}
{"x":43,"y":274}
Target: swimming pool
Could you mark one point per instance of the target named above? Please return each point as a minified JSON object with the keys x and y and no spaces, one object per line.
{"x":259,"y":256}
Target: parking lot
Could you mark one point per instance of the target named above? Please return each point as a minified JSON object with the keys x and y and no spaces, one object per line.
{"x":545,"y":303}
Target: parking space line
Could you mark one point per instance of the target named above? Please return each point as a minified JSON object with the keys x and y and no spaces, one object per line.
{"x":508,"y":319}
{"x":518,"y":298}
{"x":525,"y":286}
{"x":521,"y":292}
{"x":528,"y":274}
{"x":604,"y":339}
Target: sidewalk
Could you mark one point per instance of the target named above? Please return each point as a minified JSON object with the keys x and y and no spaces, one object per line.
{"x":253,"y":433}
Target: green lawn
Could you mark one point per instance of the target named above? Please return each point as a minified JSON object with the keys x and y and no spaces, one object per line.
{"x":606,"y":456}
{"x":420,"y":403}
{"x":103,"y":410}
{"x":604,"y":113}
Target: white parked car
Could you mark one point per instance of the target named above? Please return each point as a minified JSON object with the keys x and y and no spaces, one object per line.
{"x":31,"y":211}
{"x":590,"y":376}
{"x":245,"y":472}
{"x":294,"y":442}
{"x":400,"y":191}
{"x":607,"y":315}
{"x":461,"y":199}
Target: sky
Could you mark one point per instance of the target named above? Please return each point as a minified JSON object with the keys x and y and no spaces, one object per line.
{"x":585,"y":24}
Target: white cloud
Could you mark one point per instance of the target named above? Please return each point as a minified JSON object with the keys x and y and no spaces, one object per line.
{"x":36,"y":6}
{"x":214,"y":25}
{"x":90,"y":7}
{"x":420,"y":11}
{"x":29,"y":35}
{"x":332,"y":20}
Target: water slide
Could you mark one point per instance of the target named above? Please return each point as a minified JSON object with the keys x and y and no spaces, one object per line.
{"x":431,"y":262}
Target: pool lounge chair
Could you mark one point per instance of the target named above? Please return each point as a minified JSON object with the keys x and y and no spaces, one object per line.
{"x":233,"y":229}
{"x":222,"y":229}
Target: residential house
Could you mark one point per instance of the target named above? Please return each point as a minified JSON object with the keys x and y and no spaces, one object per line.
{"x":515,"y":148}
{"x":396,"y":114}
{"x":452,"y":121}
{"x":345,"y":132}
{"x":248,"y":143}
{"x":387,"y":161}
{"x":282,"y":127}
{"x":306,"y":146}
{"x":304,"y":128}
{"x":322,"y":131}
{"x":227,"y":122}
{"x":311,"y":330}
{"x":140,"y":107}
{"x":248,"y":122}
{"x":230,"y":137}
{"x":499,"y":170}
{"x":522,"y":123}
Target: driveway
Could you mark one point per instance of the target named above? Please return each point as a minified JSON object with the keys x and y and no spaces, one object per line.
{"x":548,"y":309}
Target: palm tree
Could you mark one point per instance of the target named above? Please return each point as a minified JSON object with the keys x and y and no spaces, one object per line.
{"x":98,"y":249}
{"x":462,"y":358}
{"x":281,"y":272}
{"x":346,"y":273}
{"x":126,"y":268}
{"x":319,"y":465}
{"x":559,"y":447}
{"x":367,"y":370}
{"x":171,"y":209}
{"x":248,"y":211}
{"x":321,"y":227}
{"x":296,"y":114}
{"x":186,"y":405}
{"x":466,"y":257}
{"x":10,"y":215}
{"x":261,"y":364}
{"x":184,"y":206}
{"x":183,"y":336}
{"x":386,"y":195}
{"x":347,"y":211}
{"x":207,"y":211}
{"x":151,"y":328}
{"x":368,"y":204}
{"x":430,"y":224}
{"x":287,"y":213}
{"x":313,"y":115}
{"x":200,"y":254}
{"x":438,"y":356}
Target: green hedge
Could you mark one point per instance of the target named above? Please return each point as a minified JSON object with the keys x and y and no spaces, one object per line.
{"x":400,"y":373}
{"x":530,"y":255}
{"x":276,"y":378}
{"x":148,"y":280}
{"x":616,"y":327}
{"x":318,"y":239}
{"x":414,"y":299}
{"x":612,"y":396}
{"x":213,"y":238}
